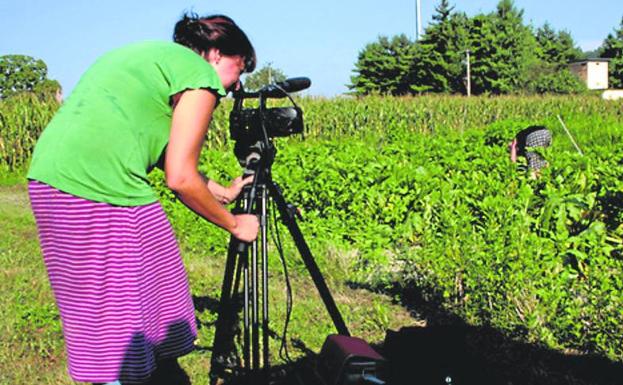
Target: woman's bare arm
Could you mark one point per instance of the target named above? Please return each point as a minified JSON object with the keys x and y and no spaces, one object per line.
{"x":191,"y":118}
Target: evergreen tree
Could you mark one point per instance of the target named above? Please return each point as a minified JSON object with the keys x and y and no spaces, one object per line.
{"x":482,"y":34}
{"x":612,"y":48}
{"x":506,"y":56}
{"x":460,"y":44}
{"x":503,"y":50}
{"x":438,"y":64}
{"x":551,"y":74}
{"x":568,"y":51}
{"x":383,"y":67}
{"x":557,"y":49}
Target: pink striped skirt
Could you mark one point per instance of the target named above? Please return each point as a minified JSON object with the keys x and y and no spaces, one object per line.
{"x":119,"y":283}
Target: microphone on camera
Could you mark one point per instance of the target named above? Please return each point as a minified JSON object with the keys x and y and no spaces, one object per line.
{"x":280,"y":89}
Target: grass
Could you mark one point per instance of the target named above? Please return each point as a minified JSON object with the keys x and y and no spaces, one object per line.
{"x":31,"y":343}
{"x":31,"y":349}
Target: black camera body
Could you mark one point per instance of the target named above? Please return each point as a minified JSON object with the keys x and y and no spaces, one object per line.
{"x":246,"y":124}
{"x":254,"y":128}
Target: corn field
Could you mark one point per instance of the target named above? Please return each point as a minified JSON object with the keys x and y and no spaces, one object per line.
{"x":22,"y":119}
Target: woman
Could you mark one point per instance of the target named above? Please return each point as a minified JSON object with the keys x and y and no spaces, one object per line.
{"x":111,"y":256}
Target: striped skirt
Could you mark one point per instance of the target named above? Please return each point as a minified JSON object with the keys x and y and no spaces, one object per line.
{"x":119,"y":283}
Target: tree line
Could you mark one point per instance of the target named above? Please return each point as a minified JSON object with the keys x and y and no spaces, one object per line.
{"x":23,"y":73}
{"x":505,"y":56}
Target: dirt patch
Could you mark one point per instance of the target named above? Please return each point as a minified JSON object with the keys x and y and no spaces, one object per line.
{"x":15,"y":197}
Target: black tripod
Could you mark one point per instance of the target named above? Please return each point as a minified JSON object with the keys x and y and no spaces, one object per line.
{"x":252,"y":271}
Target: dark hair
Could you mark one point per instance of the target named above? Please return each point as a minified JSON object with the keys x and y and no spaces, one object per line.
{"x":216,"y":31}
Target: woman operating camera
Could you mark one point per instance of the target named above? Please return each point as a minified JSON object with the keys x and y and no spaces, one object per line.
{"x":111,"y":255}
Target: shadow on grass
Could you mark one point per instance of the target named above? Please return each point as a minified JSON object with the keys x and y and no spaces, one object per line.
{"x":205,"y":304}
{"x":450,"y":351}
{"x":447,"y":351}
{"x":612,"y":208}
{"x":228,"y":337}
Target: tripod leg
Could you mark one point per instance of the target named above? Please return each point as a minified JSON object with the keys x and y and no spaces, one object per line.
{"x":224,"y":329}
{"x":290,"y":222}
{"x":255,"y":336}
{"x":227,"y":320}
{"x":246,"y":344}
{"x":264,"y":253}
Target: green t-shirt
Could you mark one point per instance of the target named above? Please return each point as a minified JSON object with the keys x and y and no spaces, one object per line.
{"x":116,"y":123}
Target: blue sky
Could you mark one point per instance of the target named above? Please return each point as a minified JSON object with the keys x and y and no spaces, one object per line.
{"x":315,"y":38}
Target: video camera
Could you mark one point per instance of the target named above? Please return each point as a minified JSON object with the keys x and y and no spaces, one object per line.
{"x":253,"y":128}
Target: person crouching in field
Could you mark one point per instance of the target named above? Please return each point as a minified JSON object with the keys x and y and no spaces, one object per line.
{"x":110,"y":252}
{"x":531,"y":137}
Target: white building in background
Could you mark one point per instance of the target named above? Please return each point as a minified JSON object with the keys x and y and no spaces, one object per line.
{"x":593,"y":72}
{"x":612,"y":95}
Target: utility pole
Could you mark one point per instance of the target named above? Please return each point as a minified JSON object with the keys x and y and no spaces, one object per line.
{"x":468,"y":75}
{"x":418,"y":20}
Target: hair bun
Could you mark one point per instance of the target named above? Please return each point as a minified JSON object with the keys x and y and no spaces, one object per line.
{"x":217,"y":31}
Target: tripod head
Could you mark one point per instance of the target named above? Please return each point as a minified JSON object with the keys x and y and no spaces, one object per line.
{"x":254,"y":128}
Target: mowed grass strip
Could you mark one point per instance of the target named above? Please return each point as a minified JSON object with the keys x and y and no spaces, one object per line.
{"x":31,"y":346}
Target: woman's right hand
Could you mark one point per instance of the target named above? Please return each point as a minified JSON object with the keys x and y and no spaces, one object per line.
{"x":247,"y":226}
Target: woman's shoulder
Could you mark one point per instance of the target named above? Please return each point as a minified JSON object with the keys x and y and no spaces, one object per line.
{"x":144,"y":56}
{"x":142,"y":65}
{"x":158,"y":48}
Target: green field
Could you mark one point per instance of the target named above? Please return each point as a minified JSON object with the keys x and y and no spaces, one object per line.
{"x":415,"y":215}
